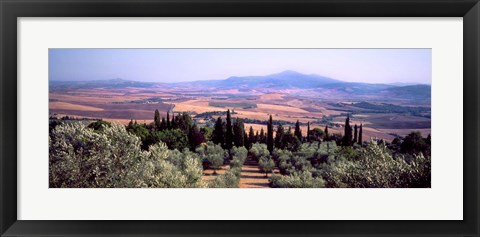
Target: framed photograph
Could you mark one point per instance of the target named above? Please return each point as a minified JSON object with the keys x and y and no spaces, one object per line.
{"x":227,"y":118}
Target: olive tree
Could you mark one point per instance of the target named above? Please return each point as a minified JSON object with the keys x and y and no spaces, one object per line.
{"x":80,"y":157}
{"x":231,"y":179}
{"x":259,"y":150}
{"x":239,"y":155}
{"x":111,"y":157}
{"x":213,"y":153}
{"x":375,"y":167}
{"x":266,"y":165}
{"x":296,"y":180}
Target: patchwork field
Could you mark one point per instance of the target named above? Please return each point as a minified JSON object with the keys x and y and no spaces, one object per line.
{"x":383,"y":119}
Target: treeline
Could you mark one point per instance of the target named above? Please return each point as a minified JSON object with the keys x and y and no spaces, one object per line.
{"x":212,"y":113}
{"x":258,"y":121}
{"x":142,"y":101}
{"x":243,"y":105}
{"x":383,"y":108}
{"x":178,"y":132}
{"x":391,"y":108}
{"x":279,"y":136}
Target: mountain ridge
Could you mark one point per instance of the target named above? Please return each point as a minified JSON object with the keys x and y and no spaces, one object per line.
{"x":282,"y":81}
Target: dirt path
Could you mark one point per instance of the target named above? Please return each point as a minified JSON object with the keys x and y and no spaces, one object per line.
{"x":208,"y":174}
{"x":251,"y":177}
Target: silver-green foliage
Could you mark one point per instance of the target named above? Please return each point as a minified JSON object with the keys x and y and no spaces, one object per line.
{"x":239,"y":155}
{"x":302,"y":179}
{"x":340,"y":167}
{"x":231,"y":179}
{"x":213,"y":153}
{"x":375,"y":167}
{"x":164,"y":168}
{"x":259,"y":150}
{"x":266,"y":165}
{"x":80,"y":157}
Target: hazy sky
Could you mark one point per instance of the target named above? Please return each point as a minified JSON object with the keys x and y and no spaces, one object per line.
{"x":174,"y":65}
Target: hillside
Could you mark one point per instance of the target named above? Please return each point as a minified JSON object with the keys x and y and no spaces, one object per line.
{"x":116,"y":83}
{"x":290,"y":82}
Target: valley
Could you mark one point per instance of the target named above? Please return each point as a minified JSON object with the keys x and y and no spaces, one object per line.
{"x":386,"y":111}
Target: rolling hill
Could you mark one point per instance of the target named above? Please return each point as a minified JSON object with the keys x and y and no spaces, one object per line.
{"x":307,"y":85}
{"x":116,"y":83}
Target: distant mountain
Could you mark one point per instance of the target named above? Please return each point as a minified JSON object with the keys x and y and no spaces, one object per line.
{"x":403,"y":84}
{"x":116,"y":83}
{"x":315,"y":86}
{"x":282,"y":80}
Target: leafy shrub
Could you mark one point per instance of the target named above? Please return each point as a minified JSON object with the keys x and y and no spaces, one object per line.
{"x":414,"y":143}
{"x":296,"y":180}
{"x":213,"y":153}
{"x":308,"y":156}
{"x":375,"y":167}
{"x":347,"y":152}
{"x":99,"y":125}
{"x":266,"y":165}
{"x":231,"y":179}
{"x":80,"y":157}
{"x":174,"y":138}
{"x":157,"y":170}
{"x":259,"y":150}
{"x":239,"y":155}
{"x":300,"y":163}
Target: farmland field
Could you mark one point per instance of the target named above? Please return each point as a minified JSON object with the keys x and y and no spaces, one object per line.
{"x":123,"y":105}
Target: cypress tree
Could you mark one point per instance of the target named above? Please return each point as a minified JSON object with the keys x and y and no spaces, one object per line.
{"x":257,"y":137}
{"x":168,"y":120}
{"x":347,"y":137}
{"x":355,"y":134}
{"x":229,"y":133}
{"x":279,"y":136}
{"x":327,"y":137}
{"x":173,"y":123}
{"x":238,"y":133}
{"x":246,"y":141}
{"x":263,"y":137}
{"x":218,"y":135}
{"x":360,"y":133}
{"x":298,"y":131}
{"x":156,"y":119}
{"x":308,"y":131}
{"x":183,"y":122}
{"x":270,"y":134}
{"x":195,"y":137}
{"x":163,"y":124}
{"x":130,"y":124}
{"x":251,"y":136}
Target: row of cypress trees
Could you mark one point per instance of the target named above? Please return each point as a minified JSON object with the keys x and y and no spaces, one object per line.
{"x":231,"y":132}
{"x":348,"y":138}
{"x":162,"y":123}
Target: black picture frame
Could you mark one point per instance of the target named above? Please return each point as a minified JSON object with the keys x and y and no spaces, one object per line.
{"x":10,"y":10}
